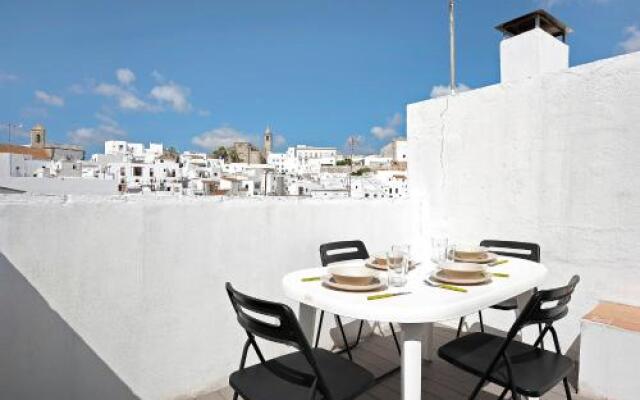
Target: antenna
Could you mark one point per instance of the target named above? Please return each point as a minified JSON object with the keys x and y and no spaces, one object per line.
{"x":452,"y":47}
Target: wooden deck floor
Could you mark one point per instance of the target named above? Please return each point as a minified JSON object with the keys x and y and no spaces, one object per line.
{"x":440,"y":380}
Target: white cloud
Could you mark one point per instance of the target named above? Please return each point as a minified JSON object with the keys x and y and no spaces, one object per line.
{"x":107,"y":129}
{"x":390,"y":129}
{"x":125,"y":76}
{"x":442,"y":90}
{"x":279,"y":141}
{"x":157,"y":76}
{"x":7,"y":77}
{"x":162,"y":97}
{"x":126,"y":99}
{"x":174,"y":95}
{"x":222,"y":136}
{"x":631,"y":42}
{"x":49,"y":99}
{"x":360,"y":145}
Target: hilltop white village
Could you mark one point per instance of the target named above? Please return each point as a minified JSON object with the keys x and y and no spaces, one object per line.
{"x":238,"y":170}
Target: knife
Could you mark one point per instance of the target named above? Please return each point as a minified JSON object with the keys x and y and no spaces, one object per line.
{"x":386,"y":295}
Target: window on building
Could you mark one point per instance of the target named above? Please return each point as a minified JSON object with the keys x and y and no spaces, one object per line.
{"x":137,"y":171}
{"x":151,"y":173}
{"x":122,"y":171}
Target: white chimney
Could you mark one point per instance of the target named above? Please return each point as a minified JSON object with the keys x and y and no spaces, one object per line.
{"x":533,"y":44}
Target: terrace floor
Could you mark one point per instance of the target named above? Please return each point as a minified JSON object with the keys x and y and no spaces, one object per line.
{"x":440,"y":380}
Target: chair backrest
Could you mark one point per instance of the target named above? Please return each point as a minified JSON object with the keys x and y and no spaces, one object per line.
{"x":342,"y":251}
{"x":524,"y":250}
{"x":546,"y":307}
{"x":284,"y":329}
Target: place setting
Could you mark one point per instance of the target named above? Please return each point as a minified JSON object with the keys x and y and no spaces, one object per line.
{"x":369,"y":275}
{"x":460,"y":266}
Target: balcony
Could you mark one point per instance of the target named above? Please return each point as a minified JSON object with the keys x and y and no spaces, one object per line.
{"x":91,"y":307}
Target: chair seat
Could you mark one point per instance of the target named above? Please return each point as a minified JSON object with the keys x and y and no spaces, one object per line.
{"x":509,"y":304}
{"x":535,"y":371}
{"x":344,"y":379}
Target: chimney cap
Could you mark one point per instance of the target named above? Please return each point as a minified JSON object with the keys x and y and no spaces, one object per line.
{"x":536,"y":19}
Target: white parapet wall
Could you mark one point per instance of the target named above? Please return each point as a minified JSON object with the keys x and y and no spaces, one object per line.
{"x":60,"y":186}
{"x":552,"y":159}
{"x":123,"y":297}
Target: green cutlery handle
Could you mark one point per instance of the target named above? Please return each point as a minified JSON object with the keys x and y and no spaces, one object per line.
{"x":380,"y":296}
{"x":311,"y":279}
{"x":454,"y":288}
{"x":500,"y":274}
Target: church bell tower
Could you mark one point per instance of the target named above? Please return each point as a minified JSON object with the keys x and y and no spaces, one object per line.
{"x":268,"y":141}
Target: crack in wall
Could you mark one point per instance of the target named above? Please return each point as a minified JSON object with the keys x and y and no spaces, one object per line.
{"x":442,"y":142}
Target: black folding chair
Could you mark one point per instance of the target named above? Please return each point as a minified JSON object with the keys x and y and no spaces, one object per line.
{"x":523,"y":250}
{"x":302,"y":374}
{"x":519,"y":368}
{"x":342,"y":251}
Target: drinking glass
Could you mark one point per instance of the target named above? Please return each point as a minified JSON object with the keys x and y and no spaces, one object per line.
{"x":398,"y":265}
{"x":439,"y":247}
{"x":451,"y":252}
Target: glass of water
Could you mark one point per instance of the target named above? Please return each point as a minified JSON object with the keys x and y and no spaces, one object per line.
{"x":398,"y":264}
{"x":439,"y":247}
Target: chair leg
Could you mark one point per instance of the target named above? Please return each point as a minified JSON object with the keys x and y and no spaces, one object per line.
{"x":542,"y":341}
{"x":477,"y":389}
{"x":460,"y":327}
{"x":395,"y":338}
{"x":359,"y":333}
{"x":319,"y":328}
{"x":344,"y":337}
{"x":504,"y":393}
{"x":567,"y":389}
{"x":481,"y":322}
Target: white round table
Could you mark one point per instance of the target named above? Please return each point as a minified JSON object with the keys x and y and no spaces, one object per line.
{"x":415,"y":312}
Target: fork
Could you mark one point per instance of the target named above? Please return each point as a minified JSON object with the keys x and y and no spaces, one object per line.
{"x":445,"y":286}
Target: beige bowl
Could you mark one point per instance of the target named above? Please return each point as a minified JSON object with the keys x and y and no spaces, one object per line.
{"x":472,"y":253}
{"x":380,"y":259}
{"x":463,"y":268}
{"x":352,"y":275}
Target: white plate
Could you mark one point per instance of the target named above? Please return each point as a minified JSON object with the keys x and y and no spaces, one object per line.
{"x":460,"y":279}
{"x":463,"y":267}
{"x":490,"y":258}
{"x":369,"y":263}
{"x":376,"y":284}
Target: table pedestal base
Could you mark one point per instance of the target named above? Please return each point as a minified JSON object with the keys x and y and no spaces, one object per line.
{"x":415,"y":337}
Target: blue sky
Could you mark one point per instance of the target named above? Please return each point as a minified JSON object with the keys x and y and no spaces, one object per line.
{"x":195,"y":74}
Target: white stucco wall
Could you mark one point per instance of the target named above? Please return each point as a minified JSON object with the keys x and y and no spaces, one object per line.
{"x":141,"y":280}
{"x":61,"y":186}
{"x":551,"y":159}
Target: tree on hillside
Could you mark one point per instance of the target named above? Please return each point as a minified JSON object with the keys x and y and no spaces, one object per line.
{"x":233,"y":156}
{"x":220,"y":152}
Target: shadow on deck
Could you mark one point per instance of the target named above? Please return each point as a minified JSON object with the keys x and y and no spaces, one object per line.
{"x":440,"y":380}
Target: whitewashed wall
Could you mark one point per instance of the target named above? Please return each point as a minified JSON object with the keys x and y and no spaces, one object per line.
{"x":553,"y":159}
{"x":124,"y":298}
{"x":61,"y":186}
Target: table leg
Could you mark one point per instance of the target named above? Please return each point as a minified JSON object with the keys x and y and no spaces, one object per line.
{"x":412,"y":337}
{"x":307,"y":319}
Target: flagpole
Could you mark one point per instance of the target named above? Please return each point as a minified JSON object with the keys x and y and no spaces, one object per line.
{"x":452,"y":48}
